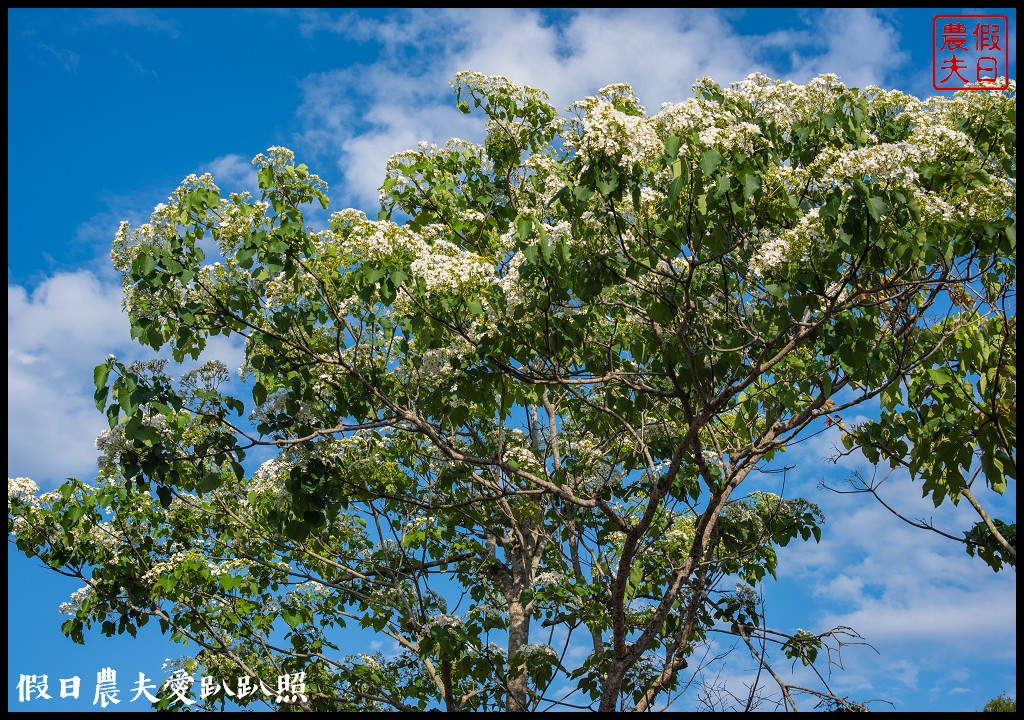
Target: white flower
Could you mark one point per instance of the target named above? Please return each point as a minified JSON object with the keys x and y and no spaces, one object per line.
{"x":445,"y":620}
{"x":369,"y":661}
{"x":269,"y":477}
{"x":21,"y":486}
{"x":794,"y":245}
{"x":76,"y":600}
{"x":606,"y":131}
{"x":538,"y":649}
{"x":549,"y":578}
{"x":23,"y":489}
{"x":488,"y":612}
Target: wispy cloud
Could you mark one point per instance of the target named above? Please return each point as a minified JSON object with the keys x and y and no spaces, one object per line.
{"x":916,"y":597}
{"x":64,"y":57}
{"x":142,"y":18}
{"x":362,"y":115}
{"x":133,"y":63}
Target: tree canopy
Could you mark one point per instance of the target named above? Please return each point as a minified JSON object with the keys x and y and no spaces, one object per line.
{"x":523,"y":421}
{"x":1001,"y":703}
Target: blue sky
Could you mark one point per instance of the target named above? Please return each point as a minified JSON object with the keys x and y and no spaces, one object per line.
{"x":109,"y":109}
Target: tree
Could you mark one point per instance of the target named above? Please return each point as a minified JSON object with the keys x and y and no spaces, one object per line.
{"x":535,"y":404}
{"x":1001,"y":703}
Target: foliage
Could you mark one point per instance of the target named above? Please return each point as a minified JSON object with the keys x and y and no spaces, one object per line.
{"x":1001,"y":703}
{"x":521,"y":422}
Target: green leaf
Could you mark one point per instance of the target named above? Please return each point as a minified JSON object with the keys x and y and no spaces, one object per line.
{"x":165,"y":495}
{"x":265,"y":178}
{"x":291,"y":616}
{"x":751,"y":184}
{"x":524,"y":226}
{"x":672,"y":145}
{"x":99,"y":375}
{"x":259,"y":393}
{"x":877,"y":208}
{"x":674,"y":188}
{"x":210,"y":481}
{"x":710,"y":160}
{"x":143,"y":265}
{"x":607,"y":184}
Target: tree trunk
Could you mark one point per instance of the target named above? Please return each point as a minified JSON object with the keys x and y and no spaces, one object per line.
{"x":518,"y":638}
{"x":612,"y":686}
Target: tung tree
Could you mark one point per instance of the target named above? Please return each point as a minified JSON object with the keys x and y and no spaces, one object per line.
{"x":523,"y":421}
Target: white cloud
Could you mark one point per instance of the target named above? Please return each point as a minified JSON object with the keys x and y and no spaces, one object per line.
{"x":904,"y":671}
{"x":55,"y":336}
{"x":59,"y":330}
{"x":858,"y":44}
{"x":232,"y":173}
{"x":916,"y":597}
{"x":362,"y":115}
{"x":365,"y":114}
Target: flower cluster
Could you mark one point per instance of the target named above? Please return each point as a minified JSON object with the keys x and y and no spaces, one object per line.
{"x":312,"y":588}
{"x":114,"y":443}
{"x":405,"y":175}
{"x":684,"y":117}
{"x":682,"y":530}
{"x":442,"y":264}
{"x":370,"y":661}
{"x":239,"y":218}
{"x":22,"y":489}
{"x":738,"y":137}
{"x":488,"y":612}
{"x":269,"y":478}
{"x":886,"y":163}
{"x":608,"y":132}
{"x":511,"y":284}
{"x":521,"y":457}
{"x":107,"y":538}
{"x":445,"y":267}
{"x":771,"y":98}
{"x":179,"y":559}
{"x":796,"y":245}
{"x":535,"y":649}
{"x":550,"y":578}
{"x":75,"y":602}
{"x":785,"y":103}
{"x":446,"y":621}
